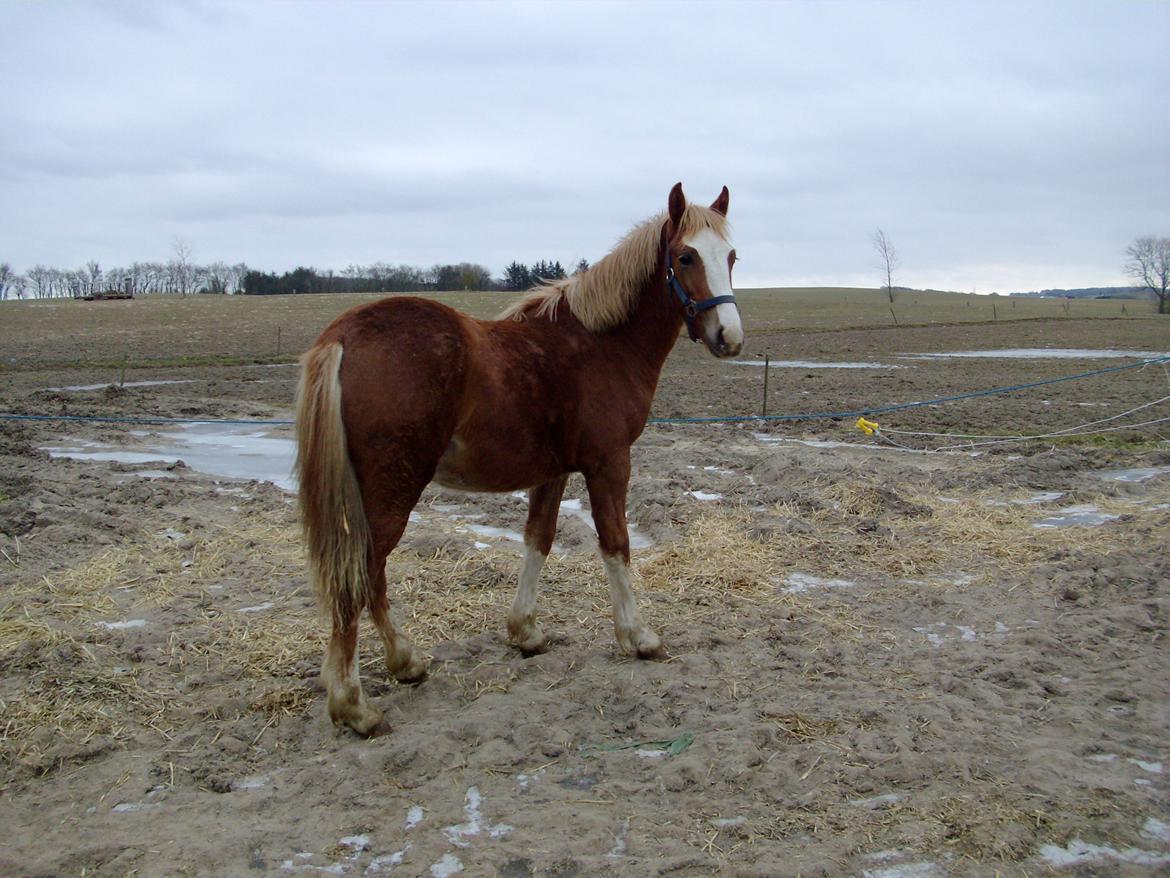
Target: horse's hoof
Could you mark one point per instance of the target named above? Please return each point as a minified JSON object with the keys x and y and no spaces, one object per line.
{"x":643,"y":644}
{"x":363,"y":720}
{"x":655,"y":652}
{"x":415,"y":671}
{"x":538,"y":646}
{"x":529,"y":640}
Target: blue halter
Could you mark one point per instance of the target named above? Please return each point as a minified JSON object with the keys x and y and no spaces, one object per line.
{"x":691,"y":308}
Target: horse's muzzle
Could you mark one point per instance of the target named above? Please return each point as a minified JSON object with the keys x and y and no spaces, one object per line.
{"x":722,"y":340}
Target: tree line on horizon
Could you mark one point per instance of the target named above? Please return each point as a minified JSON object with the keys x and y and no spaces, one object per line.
{"x":181,"y":276}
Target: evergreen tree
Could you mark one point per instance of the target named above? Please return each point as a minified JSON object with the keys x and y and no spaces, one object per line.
{"x":517,"y":277}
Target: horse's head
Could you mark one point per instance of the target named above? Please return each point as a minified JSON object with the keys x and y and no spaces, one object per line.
{"x":699,"y":259}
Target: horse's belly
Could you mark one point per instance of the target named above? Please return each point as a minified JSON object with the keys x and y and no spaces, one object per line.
{"x":504,"y":467}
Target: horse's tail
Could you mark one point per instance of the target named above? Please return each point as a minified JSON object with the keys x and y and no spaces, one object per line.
{"x":333,"y":520}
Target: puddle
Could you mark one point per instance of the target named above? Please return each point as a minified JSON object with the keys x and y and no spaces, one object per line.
{"x":877,"y":802}
{"x":122,"y":626}
{"x":1041,"y":354}
{"x":236,"y":451}
{"x":705,"y":496}
{"x":923,"y":869}
{"x":936,"y":634}
{"x":1137,"y":474}
{"x":802,"y":582}
{"x":867,"y":446}
{"x":446,"y":867}
{"x":1078,"y":851}
{"x":486,"y":531}
{"x":387,"y":861}
{"x":78,"y":387}
{"x":1041,"y":497}
{"x":242,"y":451}
{"x":813,"y":364}
{"x":574,"y":509}
{"x":1076,"y":516}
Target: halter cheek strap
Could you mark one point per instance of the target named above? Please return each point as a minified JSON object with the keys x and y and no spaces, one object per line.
{"x":691,"y":308}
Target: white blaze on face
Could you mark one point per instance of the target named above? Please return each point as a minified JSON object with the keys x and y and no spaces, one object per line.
{"x":713,"y":250}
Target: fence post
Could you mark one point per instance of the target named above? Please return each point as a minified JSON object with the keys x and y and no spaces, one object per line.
{"x":767,"y":369}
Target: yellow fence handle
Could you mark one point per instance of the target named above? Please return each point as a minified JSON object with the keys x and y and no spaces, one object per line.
{"x":867,"y":427}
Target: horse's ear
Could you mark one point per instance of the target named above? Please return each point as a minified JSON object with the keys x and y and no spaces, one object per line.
{"x":719,"y":205}
{"x":676,"y":204}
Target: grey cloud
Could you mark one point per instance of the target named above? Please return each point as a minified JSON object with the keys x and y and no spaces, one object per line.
{"x":993,"y":141}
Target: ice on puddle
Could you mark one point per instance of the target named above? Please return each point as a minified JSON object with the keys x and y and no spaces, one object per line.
{"x":802,"y":582}
{"x":474,"y":823}
{"x":877,"y":802}
{"x":386,"y":861}
{"x":1157,"y":829}
{"x":814,"y":364}
{"x":356,"y":843}
{"x":924,"y":869}
{"x":1085,"y":515}
{"x":446,"y":867}
{"x":619,"y":840}
{"x":729,"y":822}
{"x":1137,"y":474}
{"x":1078,"y":852}
{"x":1040,"y":354}
{"x":523,"y":781}
{"x":122,"y":626}
{"x":233,"y":451}
{"x":130,"y":807}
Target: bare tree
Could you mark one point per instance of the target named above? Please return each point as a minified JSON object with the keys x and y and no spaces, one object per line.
{"x":180,"y":266}
{"x":1149,"y":265}
{"x":92,"y":275}
{"x":888,"y":259}
{"x":6,"y":278}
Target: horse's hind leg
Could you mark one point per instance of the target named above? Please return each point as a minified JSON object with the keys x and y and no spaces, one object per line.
{"x":347,"y":705}
{"x":544,"y":501}
{"x":403,"y":661}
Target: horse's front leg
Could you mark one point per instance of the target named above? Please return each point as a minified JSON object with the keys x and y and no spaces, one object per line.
{"x":544,"y":502}
{"x":607,"y":495}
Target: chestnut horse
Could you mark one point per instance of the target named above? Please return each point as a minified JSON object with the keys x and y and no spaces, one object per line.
{"x":405,"y":391}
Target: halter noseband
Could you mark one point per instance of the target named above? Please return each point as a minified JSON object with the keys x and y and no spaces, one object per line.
{"x":691,"y":308}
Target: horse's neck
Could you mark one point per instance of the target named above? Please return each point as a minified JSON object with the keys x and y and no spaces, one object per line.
{"x":653,"y":327}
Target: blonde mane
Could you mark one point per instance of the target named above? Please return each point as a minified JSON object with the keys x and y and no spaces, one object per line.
{"x":604,"y":295}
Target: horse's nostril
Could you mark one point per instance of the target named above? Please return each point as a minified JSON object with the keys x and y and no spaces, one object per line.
{"x":722,"y":341}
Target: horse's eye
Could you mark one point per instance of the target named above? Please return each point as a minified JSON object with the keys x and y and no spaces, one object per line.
{"x":686,"y":259}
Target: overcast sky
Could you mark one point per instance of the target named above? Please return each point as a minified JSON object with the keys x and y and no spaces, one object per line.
{"x":1001,"y":147}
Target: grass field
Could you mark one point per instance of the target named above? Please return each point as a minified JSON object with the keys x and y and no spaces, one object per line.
{"x":882,"y":662}
{"x":233,"y":330}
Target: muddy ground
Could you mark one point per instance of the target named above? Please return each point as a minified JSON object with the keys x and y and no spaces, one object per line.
{"x":879,"y":665}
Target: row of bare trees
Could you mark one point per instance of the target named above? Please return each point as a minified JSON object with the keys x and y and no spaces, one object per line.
{"x":177,"y":275}
{"x":139,"y":278}
{"x":1148,"y":263}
